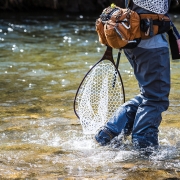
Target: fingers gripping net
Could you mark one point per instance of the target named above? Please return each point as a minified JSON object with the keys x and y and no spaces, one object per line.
{"x":97,"y":99}
{"x":156,"y":6}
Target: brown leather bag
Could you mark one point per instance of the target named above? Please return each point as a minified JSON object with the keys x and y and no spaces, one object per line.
{"x":119,"y":28}
{"x":100,"y":31}
{"x":124,"y":28}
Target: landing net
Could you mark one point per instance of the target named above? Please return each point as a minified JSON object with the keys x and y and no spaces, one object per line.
{"x":156,"y":6}
{"x":97,"y":99}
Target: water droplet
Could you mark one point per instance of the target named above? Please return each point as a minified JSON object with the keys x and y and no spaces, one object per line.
{"x":10,"y":29}
{"x":25,"y":30}
{"x":21,"y":50}
{"x":86,"y":53}
{"x":98,"y":49}
{"x":53,"y":82}
{"x":65,"y":82}
{"x":18,"y":169}
{"x":65,"y":37}
{"x":81,"y":16}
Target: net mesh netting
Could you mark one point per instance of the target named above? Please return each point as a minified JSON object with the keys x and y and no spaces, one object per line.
{"x":97,"y":99}
{"x":156,"y":6}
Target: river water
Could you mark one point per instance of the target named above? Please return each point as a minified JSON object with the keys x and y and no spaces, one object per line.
{"x":43,"y":58}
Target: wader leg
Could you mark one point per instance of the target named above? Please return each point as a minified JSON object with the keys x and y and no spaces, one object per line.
{"x":124,"y":117}
{"x":152,"y":70}
{"x":122,"y":121}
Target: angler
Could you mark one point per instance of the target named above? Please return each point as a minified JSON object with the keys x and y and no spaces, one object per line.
{"x":150,"y":60}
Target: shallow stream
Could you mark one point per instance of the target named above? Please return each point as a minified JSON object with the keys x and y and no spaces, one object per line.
{"x":43,"y":58}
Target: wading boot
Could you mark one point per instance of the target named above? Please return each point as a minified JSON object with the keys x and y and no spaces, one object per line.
{"x":104,"y":136}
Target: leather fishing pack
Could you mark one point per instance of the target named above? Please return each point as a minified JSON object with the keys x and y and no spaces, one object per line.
{"x":118,"y":27}
{"x":123,"y":28}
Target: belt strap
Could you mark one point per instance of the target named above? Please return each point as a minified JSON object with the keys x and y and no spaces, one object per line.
{"x":159,"y":23}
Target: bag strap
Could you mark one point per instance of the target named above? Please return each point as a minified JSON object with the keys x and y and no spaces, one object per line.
{"x":127,"y":3}
{"x":177,"y":35}
{"x":174,"y":41}
{"x":169,"y":3}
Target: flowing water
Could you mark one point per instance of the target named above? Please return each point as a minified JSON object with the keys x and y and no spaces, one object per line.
{"x":43,"y":58}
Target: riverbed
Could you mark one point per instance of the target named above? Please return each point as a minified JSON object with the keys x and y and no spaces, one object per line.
{"x":43,"y":58}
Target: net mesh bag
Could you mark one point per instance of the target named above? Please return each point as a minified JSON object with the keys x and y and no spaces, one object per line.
{"x":156,"y":6}
{"x":98,"y":99}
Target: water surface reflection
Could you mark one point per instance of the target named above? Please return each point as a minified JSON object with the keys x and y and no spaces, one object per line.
{"x":43,"y":59}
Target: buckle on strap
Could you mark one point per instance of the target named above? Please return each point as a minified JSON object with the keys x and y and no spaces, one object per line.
{"x":127,"y":27}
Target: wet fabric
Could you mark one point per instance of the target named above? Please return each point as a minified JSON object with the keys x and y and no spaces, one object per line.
{"x":104,"y":136}
{"x":142,"y":114}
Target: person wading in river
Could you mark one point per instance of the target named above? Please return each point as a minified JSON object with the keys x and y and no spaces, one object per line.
{"x":150,"y":60}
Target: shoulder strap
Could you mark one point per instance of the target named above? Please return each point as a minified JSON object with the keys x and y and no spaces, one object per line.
{"x":127,"y":3}
{"x":169,"y":4}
